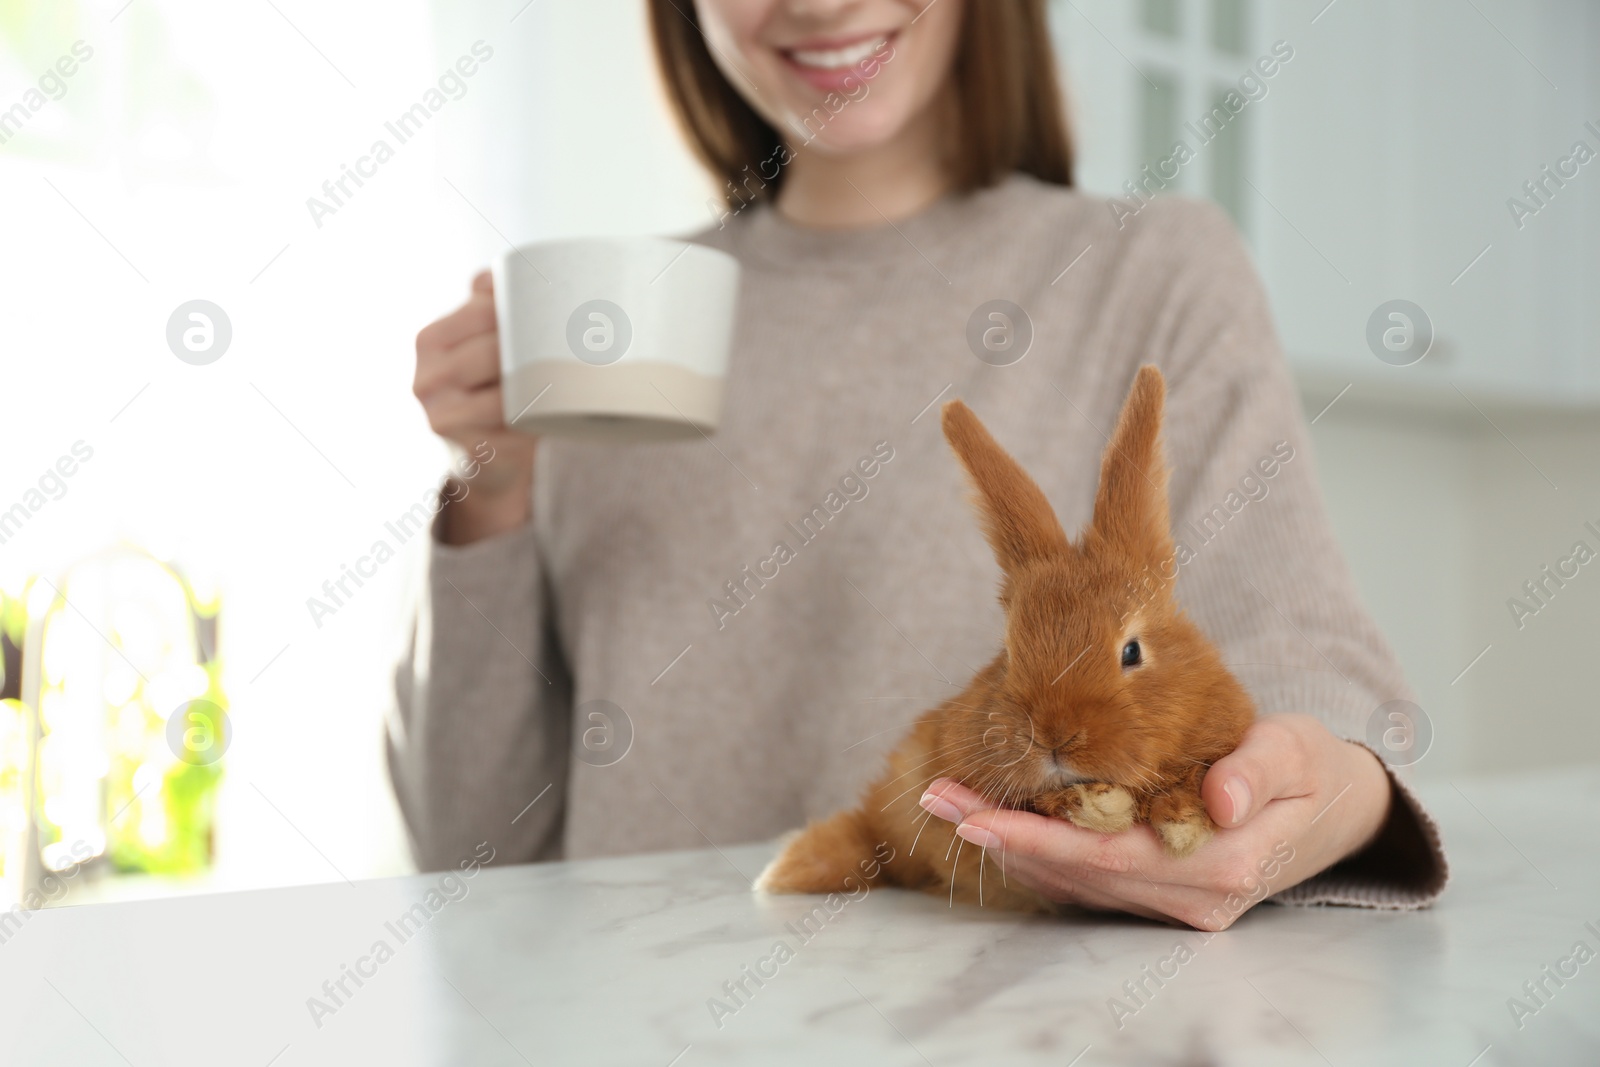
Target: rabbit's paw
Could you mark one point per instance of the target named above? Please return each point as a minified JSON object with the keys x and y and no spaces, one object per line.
{"x":1099,"y":806}
{"x":1183,"y":835}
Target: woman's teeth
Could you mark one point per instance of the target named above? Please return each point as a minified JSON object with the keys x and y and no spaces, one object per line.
{"x":837,"y":58}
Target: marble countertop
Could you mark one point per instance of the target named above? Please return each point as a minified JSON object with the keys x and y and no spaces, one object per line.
{"x":632,"y":961}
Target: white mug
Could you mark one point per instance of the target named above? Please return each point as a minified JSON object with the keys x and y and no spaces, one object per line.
{"x":618,"y":339}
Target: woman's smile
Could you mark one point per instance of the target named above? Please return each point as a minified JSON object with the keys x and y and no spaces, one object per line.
{"x":832,"y":64}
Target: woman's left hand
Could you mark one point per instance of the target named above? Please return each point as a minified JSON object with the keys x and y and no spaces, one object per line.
{"x":1290,"y":801}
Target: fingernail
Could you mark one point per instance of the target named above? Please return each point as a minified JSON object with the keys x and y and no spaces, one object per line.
{"x":940,"y":807}
{"x":1239,"y":792}
{"x":978,"y":835}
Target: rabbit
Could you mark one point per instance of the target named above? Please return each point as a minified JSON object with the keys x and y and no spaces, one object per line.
{"x":1105,"y":706}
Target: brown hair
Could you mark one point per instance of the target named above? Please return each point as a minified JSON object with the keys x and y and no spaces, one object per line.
{"x":1009,"y":113}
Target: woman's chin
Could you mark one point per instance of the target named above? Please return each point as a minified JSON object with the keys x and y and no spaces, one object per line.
{"x":840,"y":140}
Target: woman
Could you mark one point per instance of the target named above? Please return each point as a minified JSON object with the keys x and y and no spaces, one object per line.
{"x":923,"y":173}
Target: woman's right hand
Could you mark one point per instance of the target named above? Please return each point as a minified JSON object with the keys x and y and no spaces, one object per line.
{"x":458,"y":383}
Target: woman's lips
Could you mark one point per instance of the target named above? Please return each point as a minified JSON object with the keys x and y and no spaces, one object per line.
{"x":832,"y":65}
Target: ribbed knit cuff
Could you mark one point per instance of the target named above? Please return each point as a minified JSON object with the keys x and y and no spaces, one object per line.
{"x":1403,"y":869}
{"x":454,"y":560}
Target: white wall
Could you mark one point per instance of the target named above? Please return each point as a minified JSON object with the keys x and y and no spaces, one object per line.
{"x":1535,"y":701}
{"x":1443,"y":521}
{"x":575,"y":137}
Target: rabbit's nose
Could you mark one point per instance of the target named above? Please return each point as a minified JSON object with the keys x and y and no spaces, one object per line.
{"x":1058,"y":755}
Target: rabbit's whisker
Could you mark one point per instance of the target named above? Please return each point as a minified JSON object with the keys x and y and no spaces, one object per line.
{"x":963,"y":772}
{"x":954,"y":869}
{"x":1003,"y":881}
{"x":936,"y":755}
{"x":927,"y":817}
{"x":914,"y":770}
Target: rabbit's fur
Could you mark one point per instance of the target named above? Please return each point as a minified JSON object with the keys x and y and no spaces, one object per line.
{"x":1056,"y":723}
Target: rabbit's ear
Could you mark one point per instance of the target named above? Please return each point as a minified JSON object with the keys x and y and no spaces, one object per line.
{"x":1017,"y":519}
{"x":1130,"y":509}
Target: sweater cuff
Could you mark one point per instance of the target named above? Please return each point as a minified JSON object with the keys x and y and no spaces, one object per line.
{"x":510,"y":548}
{"x":1403,"y":869}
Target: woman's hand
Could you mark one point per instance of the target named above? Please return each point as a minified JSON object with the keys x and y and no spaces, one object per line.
{"x":458,"y":382}
{"x":1291,"y":801}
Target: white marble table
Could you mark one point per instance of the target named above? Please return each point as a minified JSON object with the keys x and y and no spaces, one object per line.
{"x":616,"y":961}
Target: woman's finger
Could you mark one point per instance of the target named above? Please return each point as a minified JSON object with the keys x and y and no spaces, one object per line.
{"x":1060,"y":842}
{"x":1272,"y":761}
{"x":458,"y":411}
{"x":471,"y":318}
{"x":951,"y":801}
{"x":1208,"y":889}
{"x":1130,"y":871}
{"x":1065,"y":884}
{"x":1036,"y":863}
{"x":471,"y":363}
{"x":1140,"y":892}
{"x":1054,"y":842}
{"x":1052,"y":883}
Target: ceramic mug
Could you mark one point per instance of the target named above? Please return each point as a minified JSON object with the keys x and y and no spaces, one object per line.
{"x":618,"y":339}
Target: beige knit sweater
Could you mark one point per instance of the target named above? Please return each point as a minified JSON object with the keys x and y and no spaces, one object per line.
{"x":763,"y":617}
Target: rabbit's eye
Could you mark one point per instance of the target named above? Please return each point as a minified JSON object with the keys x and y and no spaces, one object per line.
{"x":1130,"y":654}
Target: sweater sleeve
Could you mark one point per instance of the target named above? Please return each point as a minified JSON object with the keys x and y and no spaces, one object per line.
{"x":1260,"y":569}
{"x":477,"y":742}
